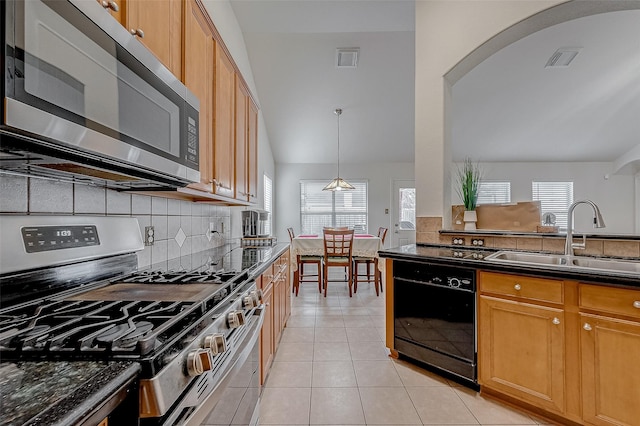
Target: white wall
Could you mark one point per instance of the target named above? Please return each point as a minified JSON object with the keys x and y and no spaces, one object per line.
{"x":446,"y":31}
{"x":614,"y":196}
{"x":380,"y":177}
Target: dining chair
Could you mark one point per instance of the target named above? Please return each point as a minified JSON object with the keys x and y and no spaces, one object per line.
{"x":338,"y":249}
{"x":370,"y":262}
{"x":299,"y":276}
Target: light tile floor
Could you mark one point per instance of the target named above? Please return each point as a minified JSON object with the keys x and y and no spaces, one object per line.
{"x":332,"y":368}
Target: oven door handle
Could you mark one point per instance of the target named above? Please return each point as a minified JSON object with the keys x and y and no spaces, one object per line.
{"x":201,"y":411}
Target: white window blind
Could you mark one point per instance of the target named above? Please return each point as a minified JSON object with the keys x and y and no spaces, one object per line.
{"x":554,"y":197}
{"x":320,"y":208}
{"x":494,"y":192}
{"x":268,"y":201}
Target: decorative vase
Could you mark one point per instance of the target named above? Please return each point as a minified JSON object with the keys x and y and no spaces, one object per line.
{"x":470,"y":218}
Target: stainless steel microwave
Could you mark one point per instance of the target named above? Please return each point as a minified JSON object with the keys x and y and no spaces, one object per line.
{"x":84,"y":100}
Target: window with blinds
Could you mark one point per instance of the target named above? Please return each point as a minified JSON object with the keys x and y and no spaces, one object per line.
{"x":554,"y":197}
{"x":319,"y":209}
{"x":268,"y":202}
{"x":494,"y":192}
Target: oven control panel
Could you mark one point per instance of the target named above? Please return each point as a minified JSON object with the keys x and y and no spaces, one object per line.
{"x":47,"y":238}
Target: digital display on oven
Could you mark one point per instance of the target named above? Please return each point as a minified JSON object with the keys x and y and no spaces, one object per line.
{"x":46,"y":238}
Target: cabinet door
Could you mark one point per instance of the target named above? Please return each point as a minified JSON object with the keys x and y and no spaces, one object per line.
{"x":521,"y":351}
{"x":278,"y":308}
{"x":252,"y":154}
{"x":223,"y":135}
{"x":198,"y":77}
{"x":158,"y":25}
{"x":610,"y":371}
{"x":241,"y":144}
{"x":115,"y":8}
{"x":266,"y":335}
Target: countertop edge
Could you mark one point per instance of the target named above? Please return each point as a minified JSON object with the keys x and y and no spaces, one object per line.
{"x":275,"y":252}
{"x":594,"y":277}
{"x":88,"y":396}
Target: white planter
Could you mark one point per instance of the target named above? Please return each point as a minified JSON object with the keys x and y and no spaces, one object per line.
{"x":470,"y":218}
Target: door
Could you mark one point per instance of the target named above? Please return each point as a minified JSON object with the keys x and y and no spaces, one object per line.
{"x":403,"y":217}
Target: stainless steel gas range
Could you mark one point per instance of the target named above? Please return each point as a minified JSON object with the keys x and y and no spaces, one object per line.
{"x":71,"y":293}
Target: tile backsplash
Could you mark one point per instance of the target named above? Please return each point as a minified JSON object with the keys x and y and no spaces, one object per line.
{"x":427,"y":232}
{"x":181,"y":227}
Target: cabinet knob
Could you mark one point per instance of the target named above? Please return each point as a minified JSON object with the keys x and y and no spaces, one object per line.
{"x":587,"y":326}
{"x":137,"y":32}
{"x":556,"y":321}
{"x":636,"y":304}
{"x":517,"y":287}
{"x":110,"y":5}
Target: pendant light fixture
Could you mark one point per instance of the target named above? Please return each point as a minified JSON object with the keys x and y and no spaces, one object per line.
{"x":338,"y":184}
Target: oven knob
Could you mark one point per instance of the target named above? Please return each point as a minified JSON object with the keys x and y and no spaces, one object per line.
{"x":215,"y":343}
{"x":249,"y":302}
{"x":235,"y":319}
{"x":198,"y":362}
{"x":257,"y":294}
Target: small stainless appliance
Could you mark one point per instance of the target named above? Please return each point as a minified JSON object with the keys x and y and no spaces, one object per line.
{"x":70,"y":293}
{"x":434,"y":317}
{"x":83,"y":100}
{"x":254,"y":223}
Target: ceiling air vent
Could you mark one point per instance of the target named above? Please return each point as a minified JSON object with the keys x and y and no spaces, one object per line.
{"x":562,"y":57}
{"x":347,"y":57}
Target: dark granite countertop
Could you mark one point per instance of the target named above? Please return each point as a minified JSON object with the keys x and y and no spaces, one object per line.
{"x":452,"y":255}
{"x":58,"y":392}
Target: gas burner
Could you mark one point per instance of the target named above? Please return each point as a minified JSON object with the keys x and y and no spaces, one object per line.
{"x":181,"y":277}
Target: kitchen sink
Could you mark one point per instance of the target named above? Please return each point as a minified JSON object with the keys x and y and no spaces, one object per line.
{"x":569,"y":262}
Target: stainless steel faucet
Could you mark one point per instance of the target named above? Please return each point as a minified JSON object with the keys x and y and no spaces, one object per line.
{"x":598,"y":222}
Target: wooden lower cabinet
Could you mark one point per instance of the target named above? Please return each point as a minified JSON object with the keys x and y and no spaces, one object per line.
{"x":522,"y":351}
{"x":266,"y":334}
{"x":276,"y":287}
{"x":572,"y":353}
{"x":610,"y":370}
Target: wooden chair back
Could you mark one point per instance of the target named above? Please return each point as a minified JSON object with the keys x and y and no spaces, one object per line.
{"x":292,"y":234}
{"x":338,"y":244}
{"x":382,"y":233}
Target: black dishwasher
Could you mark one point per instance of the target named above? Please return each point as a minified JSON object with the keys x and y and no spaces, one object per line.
{"x":435,"y":317}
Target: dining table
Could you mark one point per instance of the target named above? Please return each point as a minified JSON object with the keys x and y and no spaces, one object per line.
{"x":364,"y":245}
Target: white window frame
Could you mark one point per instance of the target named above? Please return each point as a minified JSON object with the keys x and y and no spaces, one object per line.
{"x":555,"y":197}
{"x":267,"y":183}
{"x":494,"y":192}
{"x":332,"y":214}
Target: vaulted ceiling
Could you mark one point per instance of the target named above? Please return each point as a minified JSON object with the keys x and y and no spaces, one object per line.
{"x":508,"y":108}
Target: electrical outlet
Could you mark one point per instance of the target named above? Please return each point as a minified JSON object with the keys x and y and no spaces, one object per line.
{"x":149,"y":235}
{"x":457,"y":241}
{"x":477,"y":242}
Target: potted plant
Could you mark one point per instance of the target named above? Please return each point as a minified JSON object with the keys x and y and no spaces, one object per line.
{"x":468,"y":183}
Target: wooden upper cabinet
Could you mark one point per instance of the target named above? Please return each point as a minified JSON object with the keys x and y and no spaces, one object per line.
{"x":223,"y":124}
{"x":158,"y":25}
{"x":242,"y":110}
{"x":252,"y":154}
{"x":198,"y":77}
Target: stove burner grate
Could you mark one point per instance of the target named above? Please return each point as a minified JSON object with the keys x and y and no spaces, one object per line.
{"x":181,"y":277}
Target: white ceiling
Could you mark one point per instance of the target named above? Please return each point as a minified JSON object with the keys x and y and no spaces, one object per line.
{"x":511,"y":108}
{"x":292,"y":46}
{"x":508,"y":108}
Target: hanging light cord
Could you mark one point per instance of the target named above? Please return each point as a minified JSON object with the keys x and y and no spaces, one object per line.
{"x":338,"y":111}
